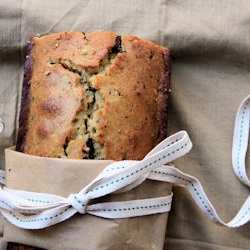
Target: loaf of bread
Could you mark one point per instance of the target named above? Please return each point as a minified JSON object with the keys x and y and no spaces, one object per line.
{"x":94,"y":96}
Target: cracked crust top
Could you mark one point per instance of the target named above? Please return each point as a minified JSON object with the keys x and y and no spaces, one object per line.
{"x":98,"y":96}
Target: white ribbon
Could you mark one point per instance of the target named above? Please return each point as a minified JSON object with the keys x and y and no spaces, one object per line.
{"x":240,"y":141}
{"x":31,"y":210}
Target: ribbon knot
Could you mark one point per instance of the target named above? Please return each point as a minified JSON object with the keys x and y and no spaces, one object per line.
{"x":78,"y":202}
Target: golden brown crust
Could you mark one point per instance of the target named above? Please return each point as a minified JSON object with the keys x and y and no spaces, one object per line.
{"x":94,"y":96}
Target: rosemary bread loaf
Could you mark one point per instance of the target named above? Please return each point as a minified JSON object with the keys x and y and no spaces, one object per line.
{"x":94,"y":96}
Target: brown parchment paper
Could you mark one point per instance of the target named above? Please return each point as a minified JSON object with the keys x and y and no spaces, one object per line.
{"x":62,"y":177}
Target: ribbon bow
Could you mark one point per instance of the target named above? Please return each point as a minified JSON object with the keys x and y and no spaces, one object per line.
{"x":32,"y":210}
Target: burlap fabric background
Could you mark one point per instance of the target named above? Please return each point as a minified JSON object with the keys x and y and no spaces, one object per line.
{"x":210,"y":76}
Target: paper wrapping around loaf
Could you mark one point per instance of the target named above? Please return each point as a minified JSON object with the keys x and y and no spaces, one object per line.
{"x":62,"y":177}
{"x":94,"y":96}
